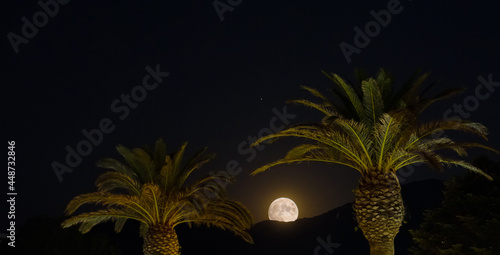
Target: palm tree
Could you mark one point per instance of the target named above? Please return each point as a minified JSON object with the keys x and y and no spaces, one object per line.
{"x":150,"y":187}
{"x":376,"y":132}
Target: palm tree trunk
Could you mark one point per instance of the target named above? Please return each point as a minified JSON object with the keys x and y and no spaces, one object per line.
{"x":382,"y":248}
{"x":161,"y":240}
{"x":379,"y":210}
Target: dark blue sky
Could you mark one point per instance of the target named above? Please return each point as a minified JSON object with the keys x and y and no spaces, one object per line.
{"x":225,"y":78}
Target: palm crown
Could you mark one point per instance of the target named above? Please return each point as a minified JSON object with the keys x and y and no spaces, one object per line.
{"x":377,"y":131}
{"x":151,"y":187}
{"x":374,"y":128}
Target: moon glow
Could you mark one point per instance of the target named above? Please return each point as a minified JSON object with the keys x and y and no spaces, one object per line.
{"x":283,"y":209}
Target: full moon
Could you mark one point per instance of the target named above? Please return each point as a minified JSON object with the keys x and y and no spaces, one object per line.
{"x":283,"y":209}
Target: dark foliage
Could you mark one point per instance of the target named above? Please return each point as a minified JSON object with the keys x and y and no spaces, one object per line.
{"x":44,"y":236}
{"x":468,"y":221}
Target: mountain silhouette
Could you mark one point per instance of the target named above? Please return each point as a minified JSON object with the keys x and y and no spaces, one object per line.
{"x":333,"y":232}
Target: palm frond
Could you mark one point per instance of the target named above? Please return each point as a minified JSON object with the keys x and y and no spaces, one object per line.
{"x":110,"y":181}
{"x":466,"y":165}
{"x":313,"y":153}
{"x":316,"y":106}
{"x":177,"y":158}
{"x":113,"y":164}
{"x":159,"y":153}
{"x":427,"y":129}
{"x":372,"y":102}
{"x":90,"y":219}
{"x":424,"y":103}
{"x":354,"y":98}
{"x":131,"y":159}
{"x":315,"y":93}
{"x":360,"y":135}
{"x":464,"y":145}
{"x":151,"y":199}
{"x":119,"y":223}
{"x":360,"y":75}
{"x":143,"y":229}
{"x":411,"y":96}
{"x":108,"y":199}
{"x":196,"y":162}
{"x":385,"y":135}
{"x":432,"y":159}
{"x":408,"y":94}
{"x":145,"y":163}
{"x":323,"y":135}
{"x":227,"y":215}
{"x":384,"y":81}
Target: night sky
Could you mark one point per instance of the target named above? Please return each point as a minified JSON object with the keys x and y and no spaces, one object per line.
{"x":221,"y":82}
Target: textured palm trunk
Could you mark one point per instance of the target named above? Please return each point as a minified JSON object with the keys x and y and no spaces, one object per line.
{"x":161,"y":240}
{"x":379,"y":210}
